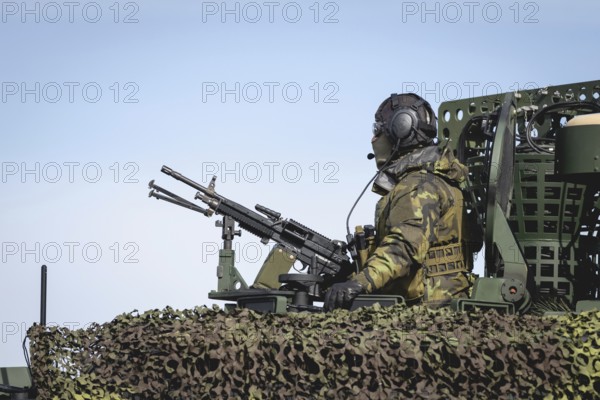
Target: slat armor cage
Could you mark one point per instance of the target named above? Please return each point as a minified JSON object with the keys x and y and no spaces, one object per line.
{"x":555,"y":222}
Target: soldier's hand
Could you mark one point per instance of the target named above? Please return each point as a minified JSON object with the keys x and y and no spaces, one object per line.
{"x":342,"y":294}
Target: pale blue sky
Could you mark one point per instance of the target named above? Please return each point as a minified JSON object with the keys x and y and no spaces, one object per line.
{"x":161,"y":65}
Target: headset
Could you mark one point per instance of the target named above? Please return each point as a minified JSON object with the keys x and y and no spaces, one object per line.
{"x":412,"y":122}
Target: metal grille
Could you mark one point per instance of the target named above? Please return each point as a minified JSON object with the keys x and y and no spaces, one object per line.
{"x":557,"y":224}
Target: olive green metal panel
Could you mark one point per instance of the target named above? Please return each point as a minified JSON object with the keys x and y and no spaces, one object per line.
{"x":512,"y":259}
{"x":279,"y":261}
{"x":578,"y":153}
{"x":471,"y":304}
{"x":487,"y":293}
{"x":273,"y":304}
{"x":15,"y":376}
{"x":228,"y":276}
{"x":368,"y":300}
{"x":499,"y":240}
{"x":587,"y":305}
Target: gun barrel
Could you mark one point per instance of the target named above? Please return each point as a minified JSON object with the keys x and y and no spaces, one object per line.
{"x":184,"y":179}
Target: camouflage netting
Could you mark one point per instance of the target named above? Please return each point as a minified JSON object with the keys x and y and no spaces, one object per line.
{"x":389,"y":353}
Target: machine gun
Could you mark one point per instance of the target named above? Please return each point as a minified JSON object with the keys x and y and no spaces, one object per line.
{"x":325,"y":260}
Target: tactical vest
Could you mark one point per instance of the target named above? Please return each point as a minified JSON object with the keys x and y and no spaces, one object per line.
{"x":443,"y":275}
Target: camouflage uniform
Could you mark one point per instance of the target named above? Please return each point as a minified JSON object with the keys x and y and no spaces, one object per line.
{"x":421,"y":250}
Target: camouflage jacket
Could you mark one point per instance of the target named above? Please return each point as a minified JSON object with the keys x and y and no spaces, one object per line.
{"x":421,"y":214}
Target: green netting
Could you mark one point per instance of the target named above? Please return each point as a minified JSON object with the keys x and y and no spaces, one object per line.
{"x":387,"y":353}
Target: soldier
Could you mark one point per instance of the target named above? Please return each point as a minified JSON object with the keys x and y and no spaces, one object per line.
{"x":421,"y":240}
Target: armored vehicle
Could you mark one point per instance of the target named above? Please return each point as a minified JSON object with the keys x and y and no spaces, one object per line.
{"x":534,"y":190}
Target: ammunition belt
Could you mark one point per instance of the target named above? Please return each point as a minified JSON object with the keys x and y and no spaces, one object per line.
{"x":444,"y":260}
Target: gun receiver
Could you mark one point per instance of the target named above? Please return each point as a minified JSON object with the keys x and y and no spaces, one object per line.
{"x":320,"y":254}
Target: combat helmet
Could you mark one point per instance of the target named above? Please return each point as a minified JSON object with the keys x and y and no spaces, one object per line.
{"x":402,"y":122}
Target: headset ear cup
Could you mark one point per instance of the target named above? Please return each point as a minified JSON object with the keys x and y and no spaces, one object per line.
{"x":408,"y":120}
{"x":401,"y":125}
